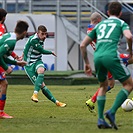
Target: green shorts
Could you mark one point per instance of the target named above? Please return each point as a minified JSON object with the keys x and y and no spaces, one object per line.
{"x":114,"y":65}
{"x":31,"y":70}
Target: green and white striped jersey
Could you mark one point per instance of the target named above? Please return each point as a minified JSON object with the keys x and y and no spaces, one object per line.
{"x":7,"y":45}
{"x":33,"y":49}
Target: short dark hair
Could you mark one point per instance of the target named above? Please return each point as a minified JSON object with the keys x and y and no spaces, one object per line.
{"x":3,"y":13}
{"x":21,"y":26}
{"x":42,"y":28}
{"x":115,"y":8}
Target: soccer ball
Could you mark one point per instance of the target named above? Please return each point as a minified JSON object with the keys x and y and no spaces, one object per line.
{"x":127,"y":105}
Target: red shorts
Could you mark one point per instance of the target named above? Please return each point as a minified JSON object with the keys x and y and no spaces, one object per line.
{"x":2,"y":73}
{"x":110,"y":76}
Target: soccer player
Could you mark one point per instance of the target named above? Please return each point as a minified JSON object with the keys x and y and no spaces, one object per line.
{"x":7,"y":44}
{"x":107,"y":58}
{"x":3,"y":81}
{"x":95,"y":19}
{"x":35,"y":67}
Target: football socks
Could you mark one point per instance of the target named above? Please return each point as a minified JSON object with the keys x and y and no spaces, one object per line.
{"x":48,"y":94}
{"x":38,"y":82}
{"x":101,"y":103}
{"x":120,"y":98}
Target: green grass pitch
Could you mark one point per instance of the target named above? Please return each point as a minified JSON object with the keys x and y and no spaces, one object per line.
{"x":45,"y":117}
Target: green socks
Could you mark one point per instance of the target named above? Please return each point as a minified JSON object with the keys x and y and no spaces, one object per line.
{"x":101,"y":103}
{"x":38,"y":82}
{"x":48,"y":94}
{"x":120,"y":98}
{"x":45,"y":90}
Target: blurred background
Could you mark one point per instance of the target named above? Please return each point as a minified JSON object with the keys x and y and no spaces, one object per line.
{"x":66,"y":21}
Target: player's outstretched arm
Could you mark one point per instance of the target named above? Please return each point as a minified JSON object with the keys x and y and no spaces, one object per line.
{"x":15,"y":56}
{"x":54,"y":54}
{"x":9,"y":70}
{"x":21,"y":63}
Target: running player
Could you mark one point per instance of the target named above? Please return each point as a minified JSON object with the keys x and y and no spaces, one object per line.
{"x":106,"y":58}
{"x":95,"y":19}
